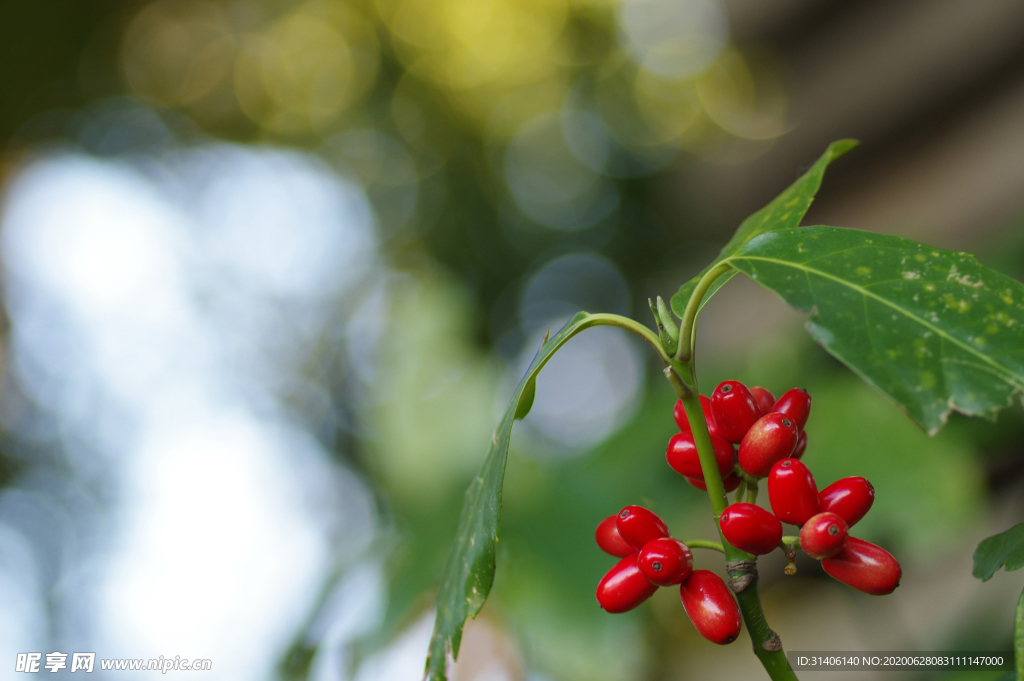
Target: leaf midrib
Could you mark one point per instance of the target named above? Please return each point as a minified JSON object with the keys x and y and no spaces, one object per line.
{"x":1001,"y":370}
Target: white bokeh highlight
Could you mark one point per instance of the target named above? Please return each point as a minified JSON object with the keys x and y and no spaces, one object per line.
{"x":160,"y":312}
{"x":675,"y":39}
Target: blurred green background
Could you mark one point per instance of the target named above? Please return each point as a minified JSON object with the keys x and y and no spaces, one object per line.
{"x":524,"y":159}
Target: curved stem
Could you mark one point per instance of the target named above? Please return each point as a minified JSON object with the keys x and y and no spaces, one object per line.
{"x":608,"y":319}
{"x":685,"y":351}
{"x":705,"y":544}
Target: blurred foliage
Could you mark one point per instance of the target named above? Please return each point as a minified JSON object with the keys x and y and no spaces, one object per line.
{"x":529,"y":126}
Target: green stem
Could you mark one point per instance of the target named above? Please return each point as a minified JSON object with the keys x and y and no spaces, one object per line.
{"x":767,"y":645}
{"x":741,"y":490}
{"x":685,"y":351}
{"x":740,"y":565}
{"x":607,"y":319}
{"x":751,"y":494}
{"x":701,"y":437}
{"x":705,"y":544}
{"x":751,"y":480}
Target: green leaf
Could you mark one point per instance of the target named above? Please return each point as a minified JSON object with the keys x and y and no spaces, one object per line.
{"x":1001,"y":550}
{"x":1005,"y":550}
{"x":1018,"y":636}
{"x":469,"y":573}
{"x":784,"y":212}
{"x":933,"y":330}
{"x":526,"y":400}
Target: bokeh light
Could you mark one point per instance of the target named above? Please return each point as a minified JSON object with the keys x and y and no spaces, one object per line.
{"x":164,"y":318}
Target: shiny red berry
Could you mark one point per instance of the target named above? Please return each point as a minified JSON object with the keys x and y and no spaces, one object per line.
{"x":771,"y":439}
{"x":684,"y":423}
{"x":735,"y":410}
{"x":624,"y":587}
{"x":637,"y":526}
{"x":865,"y":567}
{"x":792,"y":492}
{"x":796,"y":404}
{"x":609,"y":539}
{"x":823,"y":535}
{"x":682,"y":455}
{"x":750,"y":528}
{"x":849,"y":497}
{"x":665,"y":561}
{"x":801,"y":445}
{"x":730,"y":482}
{"x":710,"y":606}
{"x":765,"y":398}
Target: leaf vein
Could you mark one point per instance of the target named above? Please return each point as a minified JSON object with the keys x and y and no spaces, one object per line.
{"x":1001,"y":371}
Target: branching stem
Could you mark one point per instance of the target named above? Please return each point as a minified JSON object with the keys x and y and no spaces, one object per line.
{"x":608,"y":319}
{"x":682,"y":376}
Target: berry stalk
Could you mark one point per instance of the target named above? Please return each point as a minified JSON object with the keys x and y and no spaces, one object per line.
{"x":766,"y":643}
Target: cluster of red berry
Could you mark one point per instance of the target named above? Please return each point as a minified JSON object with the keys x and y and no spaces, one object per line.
{"x":765,"y":429}
{"x":754,"y":436}
{"x":651,"y":558}
{"x":824,"y":519}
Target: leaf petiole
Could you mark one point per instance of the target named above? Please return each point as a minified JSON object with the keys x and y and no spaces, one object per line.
{"x":685,"y":351}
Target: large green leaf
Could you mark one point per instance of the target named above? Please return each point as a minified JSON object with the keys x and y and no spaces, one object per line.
{"x":933,"y":330}
{"x":784,"y":212}
{"x":469,"y":574}
{"x":1005,"y":549}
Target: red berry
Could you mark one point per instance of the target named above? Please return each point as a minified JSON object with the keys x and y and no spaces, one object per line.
{"x":849,"y":497}
{"x":682,"y":455}
{"x":801,"y":445}
{"x":796,"y":404}
{"x":665,"y":561}
{"x":823,"y":535}
{"x":624,"y":587}
{"x":750,"y":528}
{"x":684,"y":423}
{"x":764,"y":397}
{"x":730,"y":482}
{"x":734,"y":409}
{"x":637,"y":526}
{"x":710,"y":607}
{"x":792,"y":492}
{"x":865,"y":567}
{"x":768,"y":441}
{"x":609,"y":539}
